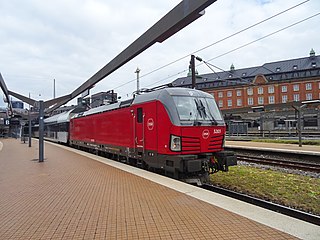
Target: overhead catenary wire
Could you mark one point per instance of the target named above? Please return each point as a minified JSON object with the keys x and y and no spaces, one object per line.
{"x":214,"y":43}
{"x":242,"y":46}
{"x":268,"y":35}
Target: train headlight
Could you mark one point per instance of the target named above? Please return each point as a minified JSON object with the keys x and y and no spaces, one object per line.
{"x":175,"y":143}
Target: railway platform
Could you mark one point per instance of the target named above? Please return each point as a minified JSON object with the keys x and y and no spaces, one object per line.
{"x":275,"y":147}
{"x":77,"y":195}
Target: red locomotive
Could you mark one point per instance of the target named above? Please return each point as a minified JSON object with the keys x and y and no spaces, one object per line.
{"x":177,"y":131}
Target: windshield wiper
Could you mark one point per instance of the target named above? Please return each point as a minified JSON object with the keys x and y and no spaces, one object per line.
{"x":211,"y":118}
{"x":197,"y":123}
{"x":203,"y":109}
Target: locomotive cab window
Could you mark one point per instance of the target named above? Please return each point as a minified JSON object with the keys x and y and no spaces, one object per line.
{"x":139,"y":115}
{"x":197,"y":111}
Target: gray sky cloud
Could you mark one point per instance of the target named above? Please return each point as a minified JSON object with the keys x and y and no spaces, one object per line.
{"x":71,"y":40}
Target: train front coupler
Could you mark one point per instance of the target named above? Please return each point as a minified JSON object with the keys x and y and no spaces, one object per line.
{"x":221,"y":161}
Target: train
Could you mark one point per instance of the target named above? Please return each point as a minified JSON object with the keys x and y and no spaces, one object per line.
{"x":178,"y":132}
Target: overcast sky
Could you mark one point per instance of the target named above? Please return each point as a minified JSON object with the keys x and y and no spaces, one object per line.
{"x":69,"y":41}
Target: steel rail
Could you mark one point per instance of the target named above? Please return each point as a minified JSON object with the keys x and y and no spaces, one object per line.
{"x":314,"y":219}
{"x":312,"y":167}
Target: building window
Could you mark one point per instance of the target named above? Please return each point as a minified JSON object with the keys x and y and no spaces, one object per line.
{"x":295,"y":67}
{"x":250,"y":101}
{"x":260,"y":100}
{"x":278,"y":69}
{"x":284,"y":98}
{"x":229,"y":103}
{"x":308,"y":86}
{"x":260,"y":90}
{"x":239,"y":92}
{"x":296,"y":97}
{"x":271,"y":99}
{"x":284,"y":89}
{"x":309,"y":96}
{"x":229,"y":93}
{"x":296,"y":87}
{"x":239,"y":102}
{"x":220,"y":94}
{"x":250,"y":91}
{"x":271,"y":89}
{"x":220,"y":103}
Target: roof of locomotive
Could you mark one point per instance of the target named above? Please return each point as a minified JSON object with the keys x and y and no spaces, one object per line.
{"x":160,"y":94}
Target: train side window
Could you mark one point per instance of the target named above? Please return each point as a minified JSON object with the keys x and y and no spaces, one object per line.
{"x":139,"y":115}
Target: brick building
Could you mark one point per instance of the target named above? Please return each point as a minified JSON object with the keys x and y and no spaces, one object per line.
{"x":266,"y":93}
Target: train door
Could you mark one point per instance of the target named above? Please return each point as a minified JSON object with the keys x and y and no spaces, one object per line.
{"x":139,"y":132}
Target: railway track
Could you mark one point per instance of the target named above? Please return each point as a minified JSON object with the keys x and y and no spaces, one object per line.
{"x":311,"y":167}
{"x":265,"y":204}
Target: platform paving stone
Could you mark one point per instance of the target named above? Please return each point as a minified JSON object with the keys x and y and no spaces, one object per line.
{"x":70,"y":196}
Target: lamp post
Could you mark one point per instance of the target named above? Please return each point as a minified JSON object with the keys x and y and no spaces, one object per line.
{"x":54,"y":88}
{"x":29,"y":118}
{"x":41,"y":131}
{"x":299,"y":110}
{"x":137,"y":72}
{"x":193,"y":71}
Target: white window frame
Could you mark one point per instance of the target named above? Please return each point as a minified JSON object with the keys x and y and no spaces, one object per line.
{"x":220,"y":103}
{"x":239,"y":102}
{"x":229,"y":94}
{"x":239,"y":92}
{"x":270,"y":89}
{"x":309,"y":96}
{"x":220,"y":94}
{"x":250,"y":91}
{"x":260,"y":90}
{"x":296,"y":87}
{"x":260,"y":100}
{"x":284,"y":88}
{"x":271,"y":99}
{"x":308,"y":86}
{"x":296,"y":97}
{"x":229,"y":102}
{"x":250,"y":101}
{"x":284,"y":99}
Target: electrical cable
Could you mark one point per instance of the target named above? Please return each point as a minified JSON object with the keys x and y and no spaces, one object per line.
{"x":210,"y":45}
{"x":268,"y":35}
{"x":247,"y":44}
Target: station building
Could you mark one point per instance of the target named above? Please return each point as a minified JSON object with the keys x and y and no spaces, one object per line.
{"x":268,"y":97}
